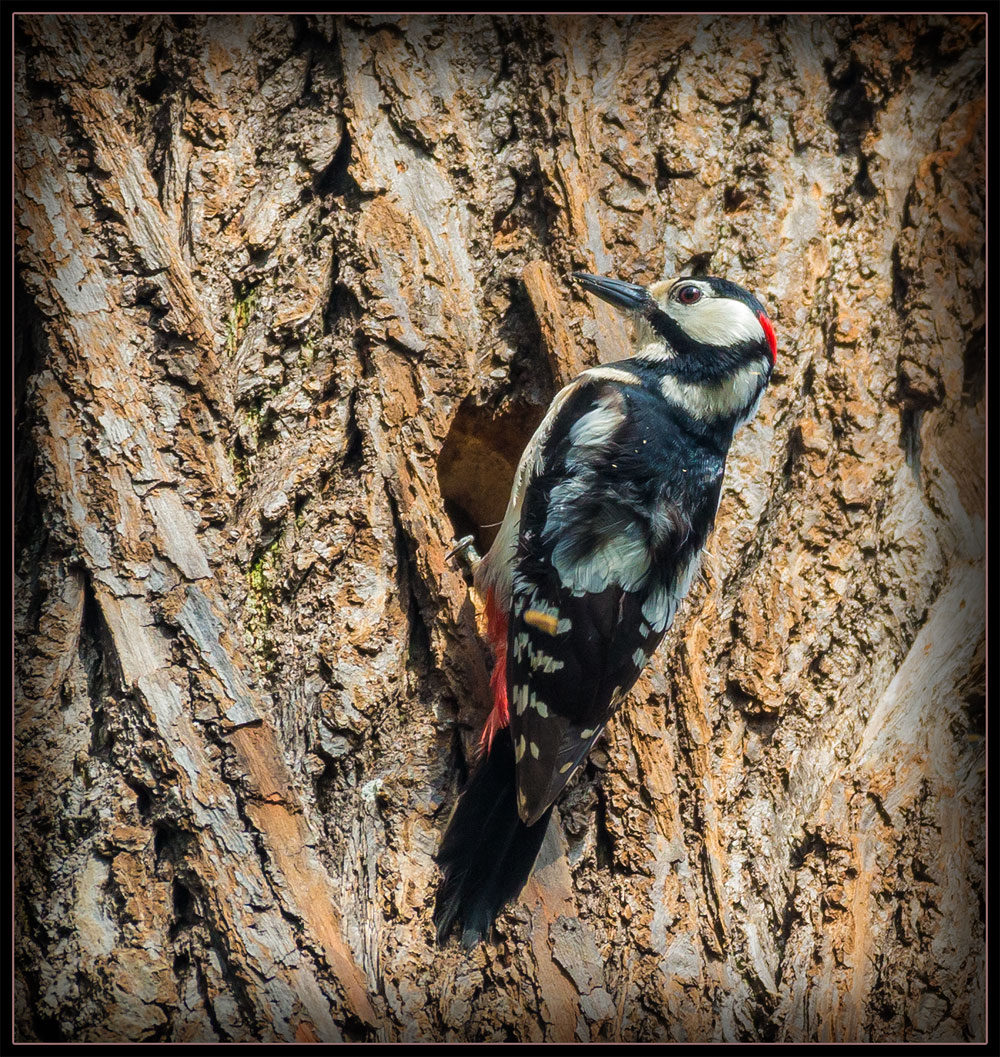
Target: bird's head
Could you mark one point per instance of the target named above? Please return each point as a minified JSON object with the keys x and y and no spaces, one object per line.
{"x":706,"y":327}
{"x":709,"y":341}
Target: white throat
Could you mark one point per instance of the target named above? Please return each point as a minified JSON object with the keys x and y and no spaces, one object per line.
{"x":734,"y":397}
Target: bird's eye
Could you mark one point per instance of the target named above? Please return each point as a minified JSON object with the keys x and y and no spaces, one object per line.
{"x":688,"y":295}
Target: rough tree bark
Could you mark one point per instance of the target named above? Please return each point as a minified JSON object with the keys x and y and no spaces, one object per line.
{"x":292,"y":296}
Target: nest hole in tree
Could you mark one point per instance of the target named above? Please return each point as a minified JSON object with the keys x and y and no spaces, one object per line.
{"x":477,"y":464}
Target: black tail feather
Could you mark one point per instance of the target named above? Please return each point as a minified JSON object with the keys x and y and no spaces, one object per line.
{"x":487,"y":852}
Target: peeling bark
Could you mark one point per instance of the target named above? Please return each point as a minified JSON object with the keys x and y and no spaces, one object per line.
{"x":291,"y":298}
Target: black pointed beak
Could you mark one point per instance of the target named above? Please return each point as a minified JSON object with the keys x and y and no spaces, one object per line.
{"x":630,"y":296}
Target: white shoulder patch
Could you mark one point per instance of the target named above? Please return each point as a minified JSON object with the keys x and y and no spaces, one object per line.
{"x":611,"y":374}
{"x":593,"y":431}
{"x":494,"y":571}
{"x":621,"y":558}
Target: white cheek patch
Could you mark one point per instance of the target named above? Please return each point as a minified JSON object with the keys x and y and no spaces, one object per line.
{"x":736,"y":395}
{"x":720,"y":321}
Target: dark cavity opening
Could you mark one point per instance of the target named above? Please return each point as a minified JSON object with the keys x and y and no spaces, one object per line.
{"x":477,"y":464}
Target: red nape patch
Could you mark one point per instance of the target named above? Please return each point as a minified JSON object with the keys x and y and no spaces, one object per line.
{"x":769,"y":334}
{"x":496,"y":632}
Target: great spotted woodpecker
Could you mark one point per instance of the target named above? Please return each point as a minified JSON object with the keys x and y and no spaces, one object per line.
{"x":612,"y":502}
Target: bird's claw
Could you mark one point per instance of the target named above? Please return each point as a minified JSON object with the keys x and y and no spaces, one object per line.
{"x":465,"y":551}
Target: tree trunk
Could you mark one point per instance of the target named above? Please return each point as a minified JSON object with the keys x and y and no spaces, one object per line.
{"x":292,"y":297}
